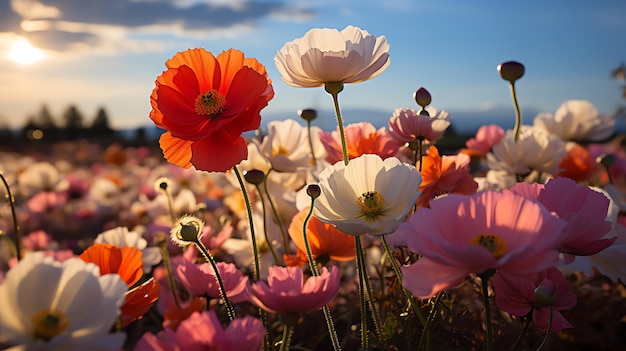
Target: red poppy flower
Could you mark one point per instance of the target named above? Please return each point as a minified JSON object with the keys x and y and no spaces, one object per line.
{"x":205,"y":103}
{"x":139,"y":300}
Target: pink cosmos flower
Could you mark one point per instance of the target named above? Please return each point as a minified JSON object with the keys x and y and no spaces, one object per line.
{"x":286,"y":291}
{"x":584,"y":209}
{"x":516,"y":295}
{"x":460,"y":235}
{"x":203,"y":331}
{"x":486,"y":137}
{"x":362,"y":138}
{"x":200,"y":279}
{"x":37,"y":240}
{"x":406,"y":125}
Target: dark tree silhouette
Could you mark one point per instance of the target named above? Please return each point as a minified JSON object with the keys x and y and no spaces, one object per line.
{"x":100,"y":127}
{"x":73,"y":123}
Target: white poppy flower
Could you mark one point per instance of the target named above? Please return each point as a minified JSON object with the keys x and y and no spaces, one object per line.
{"x":368,"y":196}
{"x":326,"y":55}
{"x":48,"y":305}
{"x":534,"y":150}
{"x":287,"y":147}
{"x":577,"y":120}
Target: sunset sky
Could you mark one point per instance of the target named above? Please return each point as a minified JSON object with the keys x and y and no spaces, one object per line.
{"x":107,"y":53}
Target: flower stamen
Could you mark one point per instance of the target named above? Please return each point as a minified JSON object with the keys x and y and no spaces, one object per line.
{"x":371,"y":204}
{"x":49,"y":323}
{"x":491,"y":242}
{"x":210,"y":103}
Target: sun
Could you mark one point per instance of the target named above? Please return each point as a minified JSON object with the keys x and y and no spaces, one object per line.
{"x":23,"y":53}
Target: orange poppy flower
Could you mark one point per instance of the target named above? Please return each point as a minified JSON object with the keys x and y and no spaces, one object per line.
{"x":205,"y":103}
{"x":139,"y":300}
{"x":578,"y":164}
{"x":125,"y":261}
{"x":324,"y":239}
{"x":444,"y":175}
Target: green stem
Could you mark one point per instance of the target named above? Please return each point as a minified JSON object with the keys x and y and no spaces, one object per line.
{"x":484,"y":280}
{"x":518,"y":342}
{"x":170,"y":205}
{"x":308,"y":129}
{"x":429,"y":320}
{"x":267,"y":239}
{"x":167,"y":264}
{"x":220,"y":284}
{"x":16,"y":226}
{"x":279,"y":222}
{"x":315,"y":272}
{"x":286,"y":340}
{"x":518,"y":114}
{"x":547,"y":337}
{"x":334,"y":88}
{"x":255,"y":249}
{"x":410,"y":298}
{"x":367,"y":288}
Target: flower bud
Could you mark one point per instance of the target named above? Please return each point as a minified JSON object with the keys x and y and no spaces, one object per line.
{"x":511,"y":71}
{"x":314,"y":191}
{"x":254,"y":176}
{"x":422,"y":97}
{"x":545,"y":295}
{"x":606,"y":160}
{"x":308,"y":114}
{"x":162,"y":184}
{"x":188,"y":229}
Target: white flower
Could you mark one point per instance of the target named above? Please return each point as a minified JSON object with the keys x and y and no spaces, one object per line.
{"x":577,"y":120}
{"x":368,"y":196}
{"x":287,"y":146}
{"x":534,"y":150}
{"x":326,"y":55}
{"x":41,"y":176}
{"x":121,"y":237}
{"x":48,"y":305}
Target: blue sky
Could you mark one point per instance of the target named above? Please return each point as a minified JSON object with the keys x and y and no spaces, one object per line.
{"x":109,"y":52}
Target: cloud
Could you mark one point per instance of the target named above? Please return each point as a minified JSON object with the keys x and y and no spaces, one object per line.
{"x":60,"y":25}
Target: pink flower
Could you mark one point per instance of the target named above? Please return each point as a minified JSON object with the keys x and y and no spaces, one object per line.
{"x":406,"y":125}
{"x":516,"y":295}
{"x":200,"y":279}
{"x":286,"y":291}
{"x":361,"y":138}
{"x":203,"y":331}
{"x":584,"y":210}
{"x":460,"y":235}
{"x":37,"y":240}
{"x":486,"y":137}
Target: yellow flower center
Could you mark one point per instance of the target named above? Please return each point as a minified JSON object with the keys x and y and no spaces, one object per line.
{"x":371,"y":204}
{"x":210,"y":103}
{"x":49,"y":323}
{"x":491,"y":242}
{"x":279,"y":151}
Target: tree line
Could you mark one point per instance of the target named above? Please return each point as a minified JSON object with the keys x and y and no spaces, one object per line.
{"x":44,"y":127}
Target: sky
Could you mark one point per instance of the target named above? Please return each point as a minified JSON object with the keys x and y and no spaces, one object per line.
{"x":108,"y":53}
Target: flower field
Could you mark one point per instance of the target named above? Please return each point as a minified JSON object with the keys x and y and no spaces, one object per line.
{"x":223,"y":235}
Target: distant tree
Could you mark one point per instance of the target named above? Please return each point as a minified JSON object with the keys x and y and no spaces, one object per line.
{"x":73,"y":122}
{"x":44,"y":118}
{"x":100,"y":127}
{"x":620,"y":74}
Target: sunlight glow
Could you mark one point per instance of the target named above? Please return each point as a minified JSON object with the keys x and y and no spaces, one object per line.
{"x":24,"y":53}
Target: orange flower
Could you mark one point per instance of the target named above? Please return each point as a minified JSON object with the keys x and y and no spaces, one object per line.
{"x":578,"y":164}
{"x":444,"y":175}
{"x":205,"y":103}
{"x":139,"y":300}
{"x":324,"y":240}
{"x":127,"y":262}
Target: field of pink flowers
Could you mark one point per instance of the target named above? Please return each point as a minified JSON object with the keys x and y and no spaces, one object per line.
{"x":306,"y":239}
